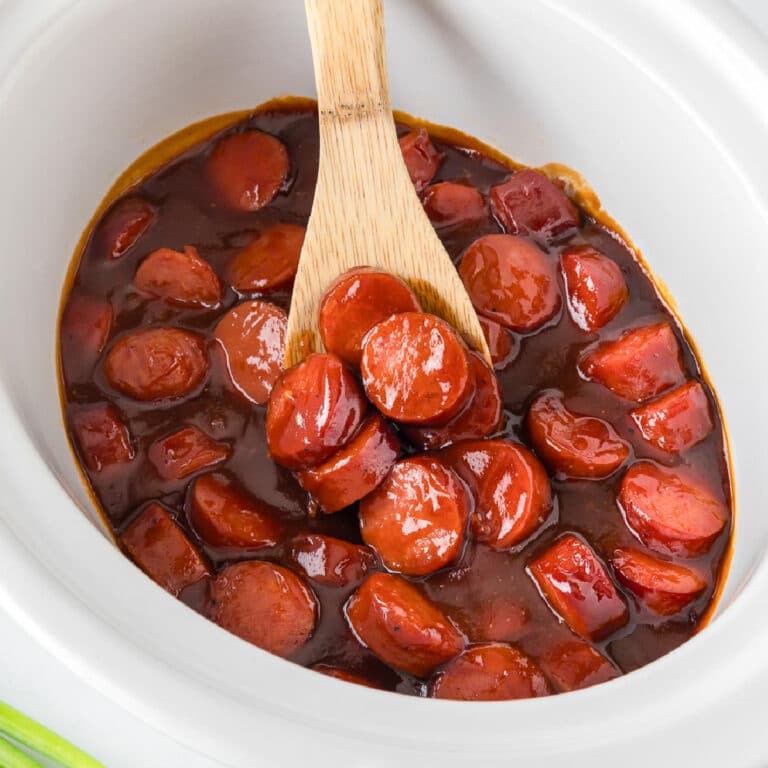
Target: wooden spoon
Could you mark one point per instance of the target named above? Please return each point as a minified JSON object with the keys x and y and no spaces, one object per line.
{"x":366,"y":211}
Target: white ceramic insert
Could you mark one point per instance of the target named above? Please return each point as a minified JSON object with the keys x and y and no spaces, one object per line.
{"x":662,"y":105}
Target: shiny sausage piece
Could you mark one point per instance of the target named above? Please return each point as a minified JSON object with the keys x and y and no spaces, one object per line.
{"x":574,"y":665}
{"x":511,"y":489}
{"x":315,"y":408}
{"x":501,"y":343}
{"x":640,"y":364}
{"x":417,"y":518}
{"x":594,"y":285}
{"x":343,"y":674}
{"x":354,"y":470}
{"x":85,"y":327}
{"x":415,"y":369}
{"x":180,"y":278}
{"x":331,"y":562}
{"x":186,"y":451}
{"x":269,"y":262}
{"x":101,"y":436}
{"x":265,"y":604}
{"x":572,"y":445}
{"x":161,"y":549}
{"x":578,"y":588}
{"x":677,"y":420}
{"x":528,"y":203}
{"x":223,"y":515}
{"x":493,"y":672}
{"x":157,"y":363}
{"x":399,"y":625}
{"x":354,"y":303}
{"x":248,"y":169}
{"x":511,"y":281}
{"x":451,"y":205}
{"x":498,"y":620}
{"x":479,"y":419}
{"x":421,"y":158}
{"x":669,"y":511}
{"x":252,"y":338}
{"x":128,"y":220}
{"x":664,"y":587}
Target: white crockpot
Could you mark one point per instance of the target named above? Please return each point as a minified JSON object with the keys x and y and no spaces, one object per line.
{"x":662,"y":104}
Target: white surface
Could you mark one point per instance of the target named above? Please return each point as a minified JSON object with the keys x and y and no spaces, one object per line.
{"x":32,"y":680}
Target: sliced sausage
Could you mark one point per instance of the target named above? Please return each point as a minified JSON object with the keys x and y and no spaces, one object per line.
{"x":669,"y":511}
{"x":315,"y":408}
{"x":451,"y":205}
{"x":223,"y":515}
{"x":157,"y":363}
{"x":248,"y":169}
{"x":479,"y":419}
{"x":331,"y":562}
{"x":161,"y":549}
{"x":186,"y":451}
{"x":101,"y":435}
{"x":265,"y":604}
{"x":343,"y":674}
{"x":498,"y":620}
{"x":354,"y":303}
{"x":501,"y":343}
{"x":126,"y":222}
{"x":511,"y":281}
{"x":677,"y":420}
{"x":594,"y":285}
{"x":578,"y":588}
{"x":574,"y":665}
{"x":354,"y":470}
{"x":179,"y":277}
{"x":511,"y":489}
{"x":85,"y":327}
{"x":572,"y":445}
{"x":417,"y":518}
{"x":398,"y":624}
{"x":528,"y":203}
{"x":493,"y":672}
{"x":252,"y":338}
{"x":664,"y":587}
{"x":415,"y":369}
{"x":269,"y":262}
{"x":640,"y":364}
{"x":421,"y":158}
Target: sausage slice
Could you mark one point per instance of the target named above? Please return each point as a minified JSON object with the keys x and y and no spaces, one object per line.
{"x":421,"y":158}
{"x":331,"y":562}
{"x":501,"y":343}
{"x":417,"y":518}
{"x":450,"y":205}
{"x":186,"y":451}
{"x":101,"y":435}
{"x":179,"y":277}
{"x":574,"y":665}
{"x":125,"y":223}
{"x":85,"y":327}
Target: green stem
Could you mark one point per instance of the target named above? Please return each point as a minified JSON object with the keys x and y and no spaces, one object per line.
{"x":42,"y":740}
{"x":12,"y":757}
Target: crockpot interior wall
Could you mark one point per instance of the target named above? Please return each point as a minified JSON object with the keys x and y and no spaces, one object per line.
{"x":122,"y":75}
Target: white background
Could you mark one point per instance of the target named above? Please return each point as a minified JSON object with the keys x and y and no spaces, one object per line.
{"x":35,"y":682}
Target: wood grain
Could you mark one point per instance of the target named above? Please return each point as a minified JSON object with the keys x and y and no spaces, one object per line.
{"x":366,"y":211}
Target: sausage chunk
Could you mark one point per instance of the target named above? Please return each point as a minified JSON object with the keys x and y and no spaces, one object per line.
{"x":501,"y":343}
{"x":128,"y":220}
{"x":490,"y":673}
{"x":640,"y":364}
{"x":595,"y":287}
{"x":315,"y":408}
{"x":403,"y":628}
{"x":252,"y":338}
{"x":450,"y":205}
{"x":578,"y":588}
{"x":186,"y":451}
{"x":676,"y":421}
{"x":265,"y":604}
{"x":223,"y":515}
{"x":421,"y":158}
{"x":415,"y":369}
{"x":157,"y":363}
{"x":574,"y":665}
{"x":331,"y":562}
{"x":511,"y":281}
{"x":179,"y":277}
{"x":510,"y":487}
{"x":354,"y":470}
{"x":101,"y":436}
{"x":248,"y":169}
{"x":572,"y":445}
{"x":417,"y":518}
{"x":85,"y":327}
{"x":161,"y":549}
{"x":354,"y":303}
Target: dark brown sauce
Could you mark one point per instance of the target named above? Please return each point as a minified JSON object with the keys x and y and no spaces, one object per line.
{"x":189,"y":215}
